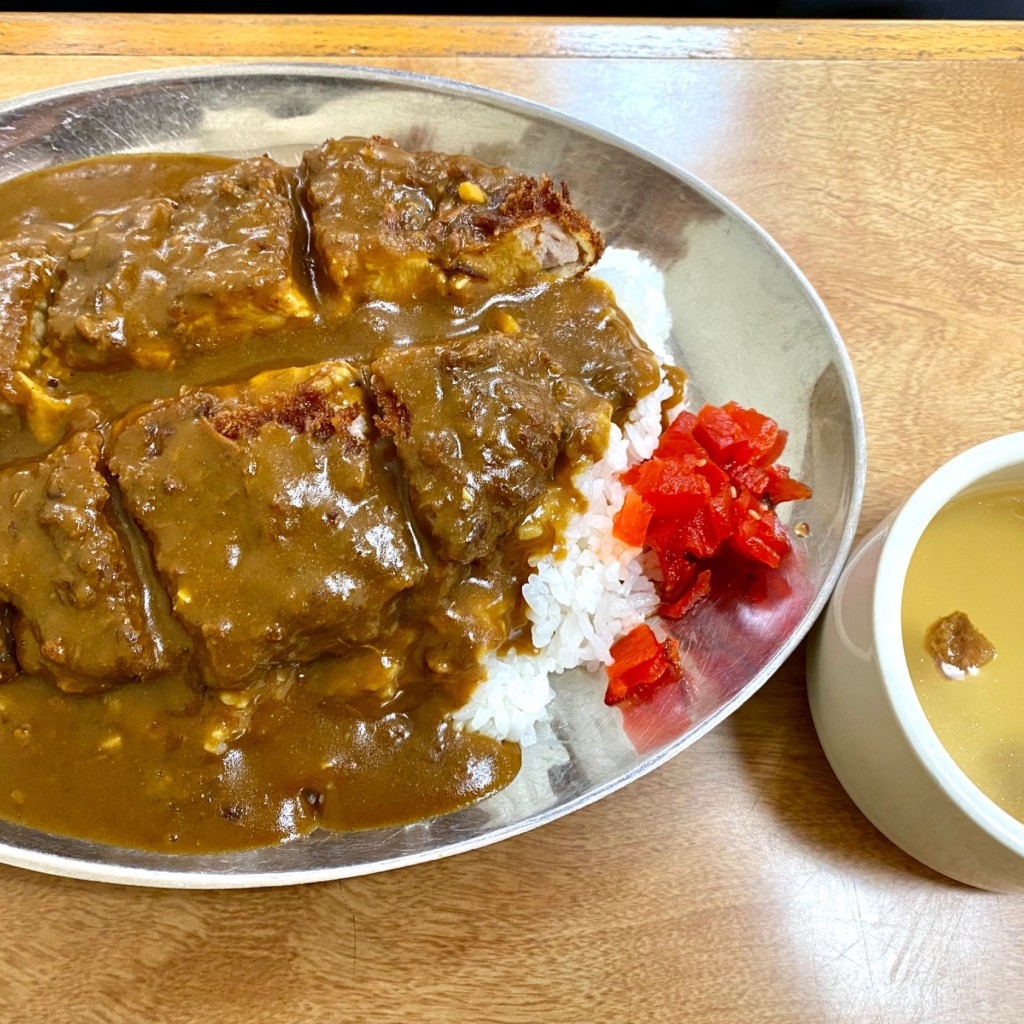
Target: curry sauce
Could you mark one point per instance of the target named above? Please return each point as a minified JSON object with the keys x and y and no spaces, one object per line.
{"x":277,"y":449}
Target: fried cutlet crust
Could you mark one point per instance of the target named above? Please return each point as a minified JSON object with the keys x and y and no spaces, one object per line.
{"x":163,"y":277}
{"x":275,"y":526}
{"x":81,"y":613}
{"x":393,"y":225}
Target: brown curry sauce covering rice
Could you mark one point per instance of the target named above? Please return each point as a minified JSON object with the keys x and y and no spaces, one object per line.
{"x":313,"y":604}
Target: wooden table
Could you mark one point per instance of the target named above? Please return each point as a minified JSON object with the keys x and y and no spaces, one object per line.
{"x":737,"y":883}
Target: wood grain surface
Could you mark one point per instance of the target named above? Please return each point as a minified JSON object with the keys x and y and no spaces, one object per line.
{"x":737,"y":883}
{"x":312,"y":37}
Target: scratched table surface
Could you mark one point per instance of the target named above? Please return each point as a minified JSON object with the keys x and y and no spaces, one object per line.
{"x":737,"y":883}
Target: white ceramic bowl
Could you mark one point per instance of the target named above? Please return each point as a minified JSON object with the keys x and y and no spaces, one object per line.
{"x":869,"y":720}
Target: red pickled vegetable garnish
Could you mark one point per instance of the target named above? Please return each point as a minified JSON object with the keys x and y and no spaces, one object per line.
{"x":631,"y":521}
{"x":677,"y":439}
{"x":678,"y":570}
{"x":716,"y":431}
{"x":753,"y":478}
{"x":706,"y":496}
{"x":637,"y":647}
{"x":734,"y":434}
{"x":699,"y":588}
{"x":781,"y":488}
{"x":669,"y":486}
{"x":760,"y":539}
{"x":641,"y":665}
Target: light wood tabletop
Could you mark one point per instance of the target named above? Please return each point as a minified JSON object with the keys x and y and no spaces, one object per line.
{"x":737,"y":883}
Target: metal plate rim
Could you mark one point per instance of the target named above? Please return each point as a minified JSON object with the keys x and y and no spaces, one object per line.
{"x":144,"y":876}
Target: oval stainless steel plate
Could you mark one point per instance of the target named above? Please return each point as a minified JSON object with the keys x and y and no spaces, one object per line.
{"x":746,"y":325}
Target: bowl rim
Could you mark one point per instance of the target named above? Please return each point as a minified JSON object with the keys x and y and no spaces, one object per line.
{"x":58,"y":864}
{"x":949,"y":481}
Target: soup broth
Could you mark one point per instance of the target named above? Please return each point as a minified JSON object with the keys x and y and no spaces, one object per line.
{"x":970,"y":559}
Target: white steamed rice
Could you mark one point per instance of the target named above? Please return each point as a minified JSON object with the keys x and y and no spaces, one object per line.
{"x":580,"y":603}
